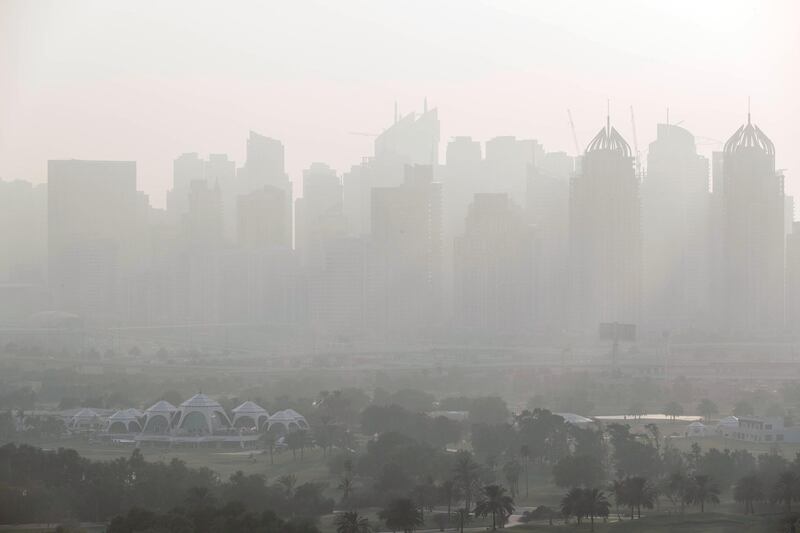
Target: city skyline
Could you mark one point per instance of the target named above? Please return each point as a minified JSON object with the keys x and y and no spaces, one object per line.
{"x":150,"y":107}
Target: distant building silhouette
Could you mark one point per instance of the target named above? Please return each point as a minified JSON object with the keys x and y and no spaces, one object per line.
{"x":676,"y":233}
{"x":495,"y":262}
{"x":753,"y":234}
{"x":405,"y":265}
{"x":95,"y":233}
{"x":605,"y":235}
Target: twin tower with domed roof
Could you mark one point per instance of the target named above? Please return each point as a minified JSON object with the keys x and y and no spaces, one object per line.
{"x":689,"y":257}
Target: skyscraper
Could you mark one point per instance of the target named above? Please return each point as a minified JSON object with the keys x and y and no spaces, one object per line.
{"x":265,"y":167}
{"x":675,"y":233}
{"x":495,"y":270}
{"x":318,"y":214}
{"x":753,"y":234}
{"x":605,"y":235}
{"x":94,"y":233}
{"x":405,"y":270}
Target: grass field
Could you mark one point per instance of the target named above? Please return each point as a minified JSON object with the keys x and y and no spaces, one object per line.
{"x":689,"y":523}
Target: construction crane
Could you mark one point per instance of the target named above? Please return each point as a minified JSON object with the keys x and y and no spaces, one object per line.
{"x":638,"y":158}
{"x":574,"y":136}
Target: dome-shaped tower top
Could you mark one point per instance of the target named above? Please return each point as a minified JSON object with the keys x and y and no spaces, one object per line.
{"x":609,"y":139}
{"x":749,"y":136}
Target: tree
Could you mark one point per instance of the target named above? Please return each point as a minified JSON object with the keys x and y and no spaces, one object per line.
{"x":595,"y":503}
{"x":572,"y":504}
{"x":352,"y":522}
{"x":494,"y":501}
{"x":617,"y":489}
{"x":703,"y":490}
{"x":677,"y":489}
{"x":673,"y":410}
{"x":463,"y":517}
{"x":511,"y":471}
{"x":639,"y":493}
{"x":287,"y":483}
{"x":465,"y":475}
{"x":747,"y":491}
{"x":707,"y":409}
{"x":578,"y":471}
{"x":269,"y":442}
{"x":525,"y":453}
{"x":402,"y":514}
{"x":786,"y":489}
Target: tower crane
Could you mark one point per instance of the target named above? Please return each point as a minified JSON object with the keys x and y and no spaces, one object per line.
{"x":638,"y":158}
{"x":574,"y":136}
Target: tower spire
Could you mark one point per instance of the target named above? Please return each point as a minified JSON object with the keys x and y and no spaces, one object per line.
{"x":608,"y":114}
{"x":748,"y":110}
{"x":395,"y":111}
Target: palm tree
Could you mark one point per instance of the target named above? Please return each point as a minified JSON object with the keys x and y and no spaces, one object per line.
{"x":287,"y":481}
{"x":352,"y":522}
{"x":703,"y":490}
{"x":402,"y":514}
{"x":463,"y":518}
{"x":269,"y":442}
{"x":595,"y":504}
{"x":495,"y":502}
{"x":673,"y":410}
{"x":617,"y":489}
{"x":786,"y":489}
{"x":639,"y":493}
{"x":448,"y":491}
{"x":346,"y":486}
{"x":511,"y":470}
{"x":747,"y":491}
{"x":525,"y":453}
{"x":678,"y":489}
{"x":465,"y":474}
{"x":572,"y":504}
{"x":707,"y":409}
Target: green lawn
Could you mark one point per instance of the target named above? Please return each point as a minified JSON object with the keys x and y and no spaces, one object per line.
{"x":688,"y":523}
{"x":224,"y":461}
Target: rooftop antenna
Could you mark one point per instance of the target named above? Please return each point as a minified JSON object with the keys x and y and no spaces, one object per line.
{"x":748,"y":110}
{"x":608,"y":114}
{"x":425,"y":105}
{"x":395,"y":111}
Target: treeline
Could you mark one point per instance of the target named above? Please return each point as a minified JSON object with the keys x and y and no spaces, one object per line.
{"x":54,"y":486}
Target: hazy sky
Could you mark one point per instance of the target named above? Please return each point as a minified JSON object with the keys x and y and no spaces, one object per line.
{"x":147,"y":81}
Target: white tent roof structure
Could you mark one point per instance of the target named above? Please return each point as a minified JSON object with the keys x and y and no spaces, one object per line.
{"x":162,"y":406}
{"x":126,"y":414}
{"x":200,"y":400}
{"x":249,"y":408}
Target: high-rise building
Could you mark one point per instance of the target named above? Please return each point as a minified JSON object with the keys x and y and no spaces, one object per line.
{"x":548,"y":212}
{"x":675,"y":233}
{"x":318,"y":214}
{"x":405,"y":271}
{"x":411,"y":140}
{"x":262,"y":220}
{"x":753,"y":235}
{"x":507,"y":164}
{"x":793,"y":281}
{"x":605,"y":235}
{"x":265,"y":167}
{"x":495,"y":270}
{"x":95,"y":233}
